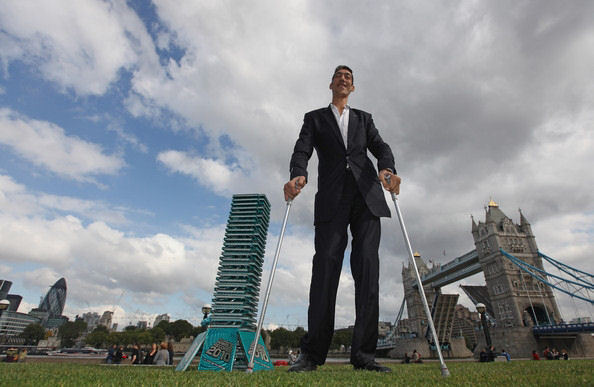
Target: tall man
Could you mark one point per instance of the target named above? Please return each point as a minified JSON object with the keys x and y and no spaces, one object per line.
{"x":349,"y":194}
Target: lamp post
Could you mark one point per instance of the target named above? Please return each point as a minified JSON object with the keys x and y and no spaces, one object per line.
{"x":206,"y":318}
{"x":481,"y":309}
{"x":206,"y":310}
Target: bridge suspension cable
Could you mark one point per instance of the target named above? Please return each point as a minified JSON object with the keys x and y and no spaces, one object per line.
{"x":566,"y":269}
{"x":579,"y":275}
{"x":541,"y":275}
{"x":393,"y":332}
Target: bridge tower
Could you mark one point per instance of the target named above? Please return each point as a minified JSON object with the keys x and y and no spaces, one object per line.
{"x":417,"y":319}
{"x":516,"y":298}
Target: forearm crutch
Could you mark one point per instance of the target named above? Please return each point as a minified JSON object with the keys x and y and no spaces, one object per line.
{"x":250,"y":367}
{"x":444,"y":369}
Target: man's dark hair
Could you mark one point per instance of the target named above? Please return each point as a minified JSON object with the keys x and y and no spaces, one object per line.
{"x":344,"y":67}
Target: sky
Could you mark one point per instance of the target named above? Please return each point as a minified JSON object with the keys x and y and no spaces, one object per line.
{"x":126,"y":127}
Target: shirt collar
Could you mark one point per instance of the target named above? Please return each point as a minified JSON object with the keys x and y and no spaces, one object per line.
{"x":347,"y":108}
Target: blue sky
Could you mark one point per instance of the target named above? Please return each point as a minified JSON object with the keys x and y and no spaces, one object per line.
{"x":125,"y":128}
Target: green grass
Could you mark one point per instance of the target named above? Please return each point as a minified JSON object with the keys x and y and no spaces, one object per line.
{"x":516,"y":373}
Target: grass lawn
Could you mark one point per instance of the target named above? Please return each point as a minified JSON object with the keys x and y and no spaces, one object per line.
{"x":515,"y":373}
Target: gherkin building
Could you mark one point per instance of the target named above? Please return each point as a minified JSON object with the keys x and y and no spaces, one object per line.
{"x":237,"y":287}
{"x":55,"y":299}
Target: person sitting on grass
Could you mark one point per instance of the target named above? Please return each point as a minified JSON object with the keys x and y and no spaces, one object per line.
{"x":416,"y":357}
{"x":135,"y":356}
{"x":547,"y":354}
{"x":564,"y":354}
{"x":535,"y":355}
{"x":483,"y":357}
{"x":162,"y":356}
{"x":110,"y":354}
{"x":12,"y":355}
{"x":119,"y":355}
{"x":171,"y":352}
{"x":406,"y":359}
{"x":148,"y":359}
{"x":505,"y":354}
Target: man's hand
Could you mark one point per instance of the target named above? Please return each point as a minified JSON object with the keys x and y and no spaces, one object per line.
{"x":293,"y":187}
{"x":394,"y":185}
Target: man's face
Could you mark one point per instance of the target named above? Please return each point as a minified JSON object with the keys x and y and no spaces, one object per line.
{"x":342,"y":83}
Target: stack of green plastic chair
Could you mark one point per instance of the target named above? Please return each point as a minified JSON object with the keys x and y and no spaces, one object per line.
{"x":237,"y":287}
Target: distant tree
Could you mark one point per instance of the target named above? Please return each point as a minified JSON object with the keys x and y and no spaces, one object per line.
{"x":298,"y":333}
{"x":33,"y":333}
{"x":165,"y":326}
{"x":127,"y":337}
{"x":342,"y":337}
{"x":98,"y":337}
{"x":144,"y":338}
{"x":280,"y":337}
{"x":180,"y":329}
{"x":157,"y":334}
{"x":197,"y":330}
{"x":70,"y":331}
{"x":101,"y":328}
{"x":113,"y":338}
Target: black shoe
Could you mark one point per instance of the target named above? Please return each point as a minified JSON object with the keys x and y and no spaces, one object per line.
{"x":303,"y":364}
{"x":372,"y":366}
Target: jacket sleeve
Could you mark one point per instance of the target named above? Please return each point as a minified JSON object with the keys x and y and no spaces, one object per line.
{"x":157,"y":357}
{"x":378,"y":148}
{"x":303,"y":149}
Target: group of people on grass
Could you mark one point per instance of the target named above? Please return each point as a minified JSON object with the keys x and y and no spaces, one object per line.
{"x":14,"y":355}
{"x":414,"y":358}
{"x":489,"y":354}
{"x":551,"y":354}
{"x":161,"y":354}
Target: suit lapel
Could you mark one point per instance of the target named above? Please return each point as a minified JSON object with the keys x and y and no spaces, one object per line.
{"x":329,"y":116}
{"x":353,"y":124}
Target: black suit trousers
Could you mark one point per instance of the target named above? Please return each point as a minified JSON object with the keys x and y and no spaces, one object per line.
{"x":330,"y":243}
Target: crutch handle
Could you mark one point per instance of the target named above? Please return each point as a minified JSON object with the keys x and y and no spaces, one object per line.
{"x":388,"y":179}
{"x":296,"y":187}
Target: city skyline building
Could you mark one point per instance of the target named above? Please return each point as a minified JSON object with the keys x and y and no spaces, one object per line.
{"x":106,"y":318}
{"x":13,"y":299}
{"x":55,"y":299}
{"x":12,"y":323}
{"x":159,"y":318}
{"x":92,"y":320}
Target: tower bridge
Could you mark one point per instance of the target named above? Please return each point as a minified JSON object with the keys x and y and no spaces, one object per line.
{"x":518,"y":292}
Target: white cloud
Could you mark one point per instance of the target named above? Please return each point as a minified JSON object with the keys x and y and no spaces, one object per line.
{"x":25,"y":307}
{"x":16,"y":200}
{"x":47,"y":145}
{"x":100,"y":262}
{"x":80,"y":45}
{"x":214,"y":174}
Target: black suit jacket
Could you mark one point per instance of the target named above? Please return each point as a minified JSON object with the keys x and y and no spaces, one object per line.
{"x":320,"y":132}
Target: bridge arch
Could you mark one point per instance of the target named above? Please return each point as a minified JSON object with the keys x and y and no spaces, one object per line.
{"x":535,"y":315}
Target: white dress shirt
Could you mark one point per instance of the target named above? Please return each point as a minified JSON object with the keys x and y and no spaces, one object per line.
{"x":343,"y":122}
